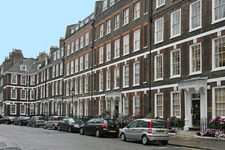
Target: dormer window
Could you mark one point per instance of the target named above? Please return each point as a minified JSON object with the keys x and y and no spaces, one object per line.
{"x":112,"y":2}
{"x":23,"y":67}
{"x":105,"y":5}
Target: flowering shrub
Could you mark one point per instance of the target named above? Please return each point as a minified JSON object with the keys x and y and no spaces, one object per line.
{"x":216,"y":128}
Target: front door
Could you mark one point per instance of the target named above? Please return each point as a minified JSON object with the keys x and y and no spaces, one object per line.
{"x":196,"y":110}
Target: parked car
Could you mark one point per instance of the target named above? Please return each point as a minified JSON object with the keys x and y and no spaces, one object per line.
{"x":146,"y":130}
{"x":6,"y":120}
{"x":21,"y":120}
{"x":53,"y":122}
{"x":36,"y":121}
{"x":70,"y":124}
{"x":100,"y":127}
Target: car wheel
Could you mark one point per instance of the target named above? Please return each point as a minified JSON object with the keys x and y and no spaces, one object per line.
{"x":70,"y":130}
{"x":164,"y":142}
{"x":144,"y":140}
{"x":97,"y":134}
{"x":123,"y":137}
{"x":45,"y":127}
{"x":59,"y":129}
{"x":81,"y":131}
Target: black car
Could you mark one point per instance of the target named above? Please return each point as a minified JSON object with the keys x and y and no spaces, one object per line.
{"x":100,"y":127}
{"x":70,"y":125}
{"x":21,"y":120}
{"x":7,"y":120}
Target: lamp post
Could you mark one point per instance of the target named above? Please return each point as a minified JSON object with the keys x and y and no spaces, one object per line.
{"x":72,"y":93}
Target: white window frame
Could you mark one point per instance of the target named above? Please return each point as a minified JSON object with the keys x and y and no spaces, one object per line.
{"x":61,"y":69}
{"x":125,"y":76}
{"x":171,"y":24}
{"x":158,"y":5}
{"x":126,"y":44}
{"x":23,"y":67}
{"x":86,"y":65}
{"x":115,"y":77}
{"x":137,"y":10}
{"x":108,"y":52}
{"x":112,"y":2}
{"x":155,"y":72}
{"x":134,"y":73}
{"x":116,"y":48}
{"x":156,"y":30}
{"x":87,"y":39}
{"x":81,"y":63}
{"x":101,"y":81}
{"x":171,"y":64}
{"x":32,"y":94}
{"x":81,"y":41}
{"x":126,"y":16}
{"x":108,"y":80}
{"x":125,"y":98}
{"x":190,"y":59}
{"x":213,"y":14}
{"x":77,"y":44}
{"x":81,"y":85}
{"x":21,"y":94}
{"x":15,"y":76}
{"x":159,"y":94}
{"x":22,"y":113}
{"x":214,"y":68}
{"x":86,"y":84}
{"x":116,"y":22}
{"x":105,"y":5}
{"x":108,"y":26}
{"x":213,"y":101}
{"x":190,"y":16}
{"x":21,"y":79}
{"x":11,"y":112}
{"x":76,"y":65}
{"x":137,"y":40}
{"x":15,"y":93}
{"x":101,"y":30}
{"x":101,"y":55}
{"x":72,"y":67}
{"x":172,"y":105}
{"x":136,"y":106}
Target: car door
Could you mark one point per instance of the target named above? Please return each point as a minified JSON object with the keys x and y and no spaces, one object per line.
{"x":87,"y":127}
{"x":140,"y":129}
{"x":63,"y":125}
{"x":130,"y":130}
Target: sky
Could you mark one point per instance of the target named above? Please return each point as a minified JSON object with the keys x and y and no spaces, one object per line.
{"x":34,"y":25}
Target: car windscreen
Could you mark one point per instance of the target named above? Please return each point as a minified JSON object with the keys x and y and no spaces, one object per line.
{"x":41,"y":118}
{"x":111,"y":122}
{"x":158,"y":124}
{"x":71,"y":120}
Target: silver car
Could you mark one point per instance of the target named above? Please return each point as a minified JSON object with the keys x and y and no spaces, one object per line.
{"x":52,"y":122}
{"x":146,"y":130}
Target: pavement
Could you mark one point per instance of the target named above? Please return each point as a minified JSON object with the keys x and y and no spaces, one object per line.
{"x":190,"y":140}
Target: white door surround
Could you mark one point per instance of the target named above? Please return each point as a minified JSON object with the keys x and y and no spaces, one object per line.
{"x":192,"y":86}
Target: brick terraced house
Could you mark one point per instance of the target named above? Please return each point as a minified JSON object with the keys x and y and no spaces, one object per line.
{"x":129,"y":58}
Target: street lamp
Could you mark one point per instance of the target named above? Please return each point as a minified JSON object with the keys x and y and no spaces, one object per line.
{"x":72,"y":93}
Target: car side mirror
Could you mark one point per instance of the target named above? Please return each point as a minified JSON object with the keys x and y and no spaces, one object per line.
{"x":128,"y":127}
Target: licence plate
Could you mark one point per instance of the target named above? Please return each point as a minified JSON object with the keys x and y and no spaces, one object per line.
{"x":111,"y":131}
{"x":160,"y":131}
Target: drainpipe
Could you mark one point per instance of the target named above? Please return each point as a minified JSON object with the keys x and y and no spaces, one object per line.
{"x":150,"y":13}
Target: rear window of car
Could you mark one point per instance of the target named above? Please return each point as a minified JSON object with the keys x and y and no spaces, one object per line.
{"x":60,"y":118}
{"x":158,"y":124}
{"x":111,"y":122}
